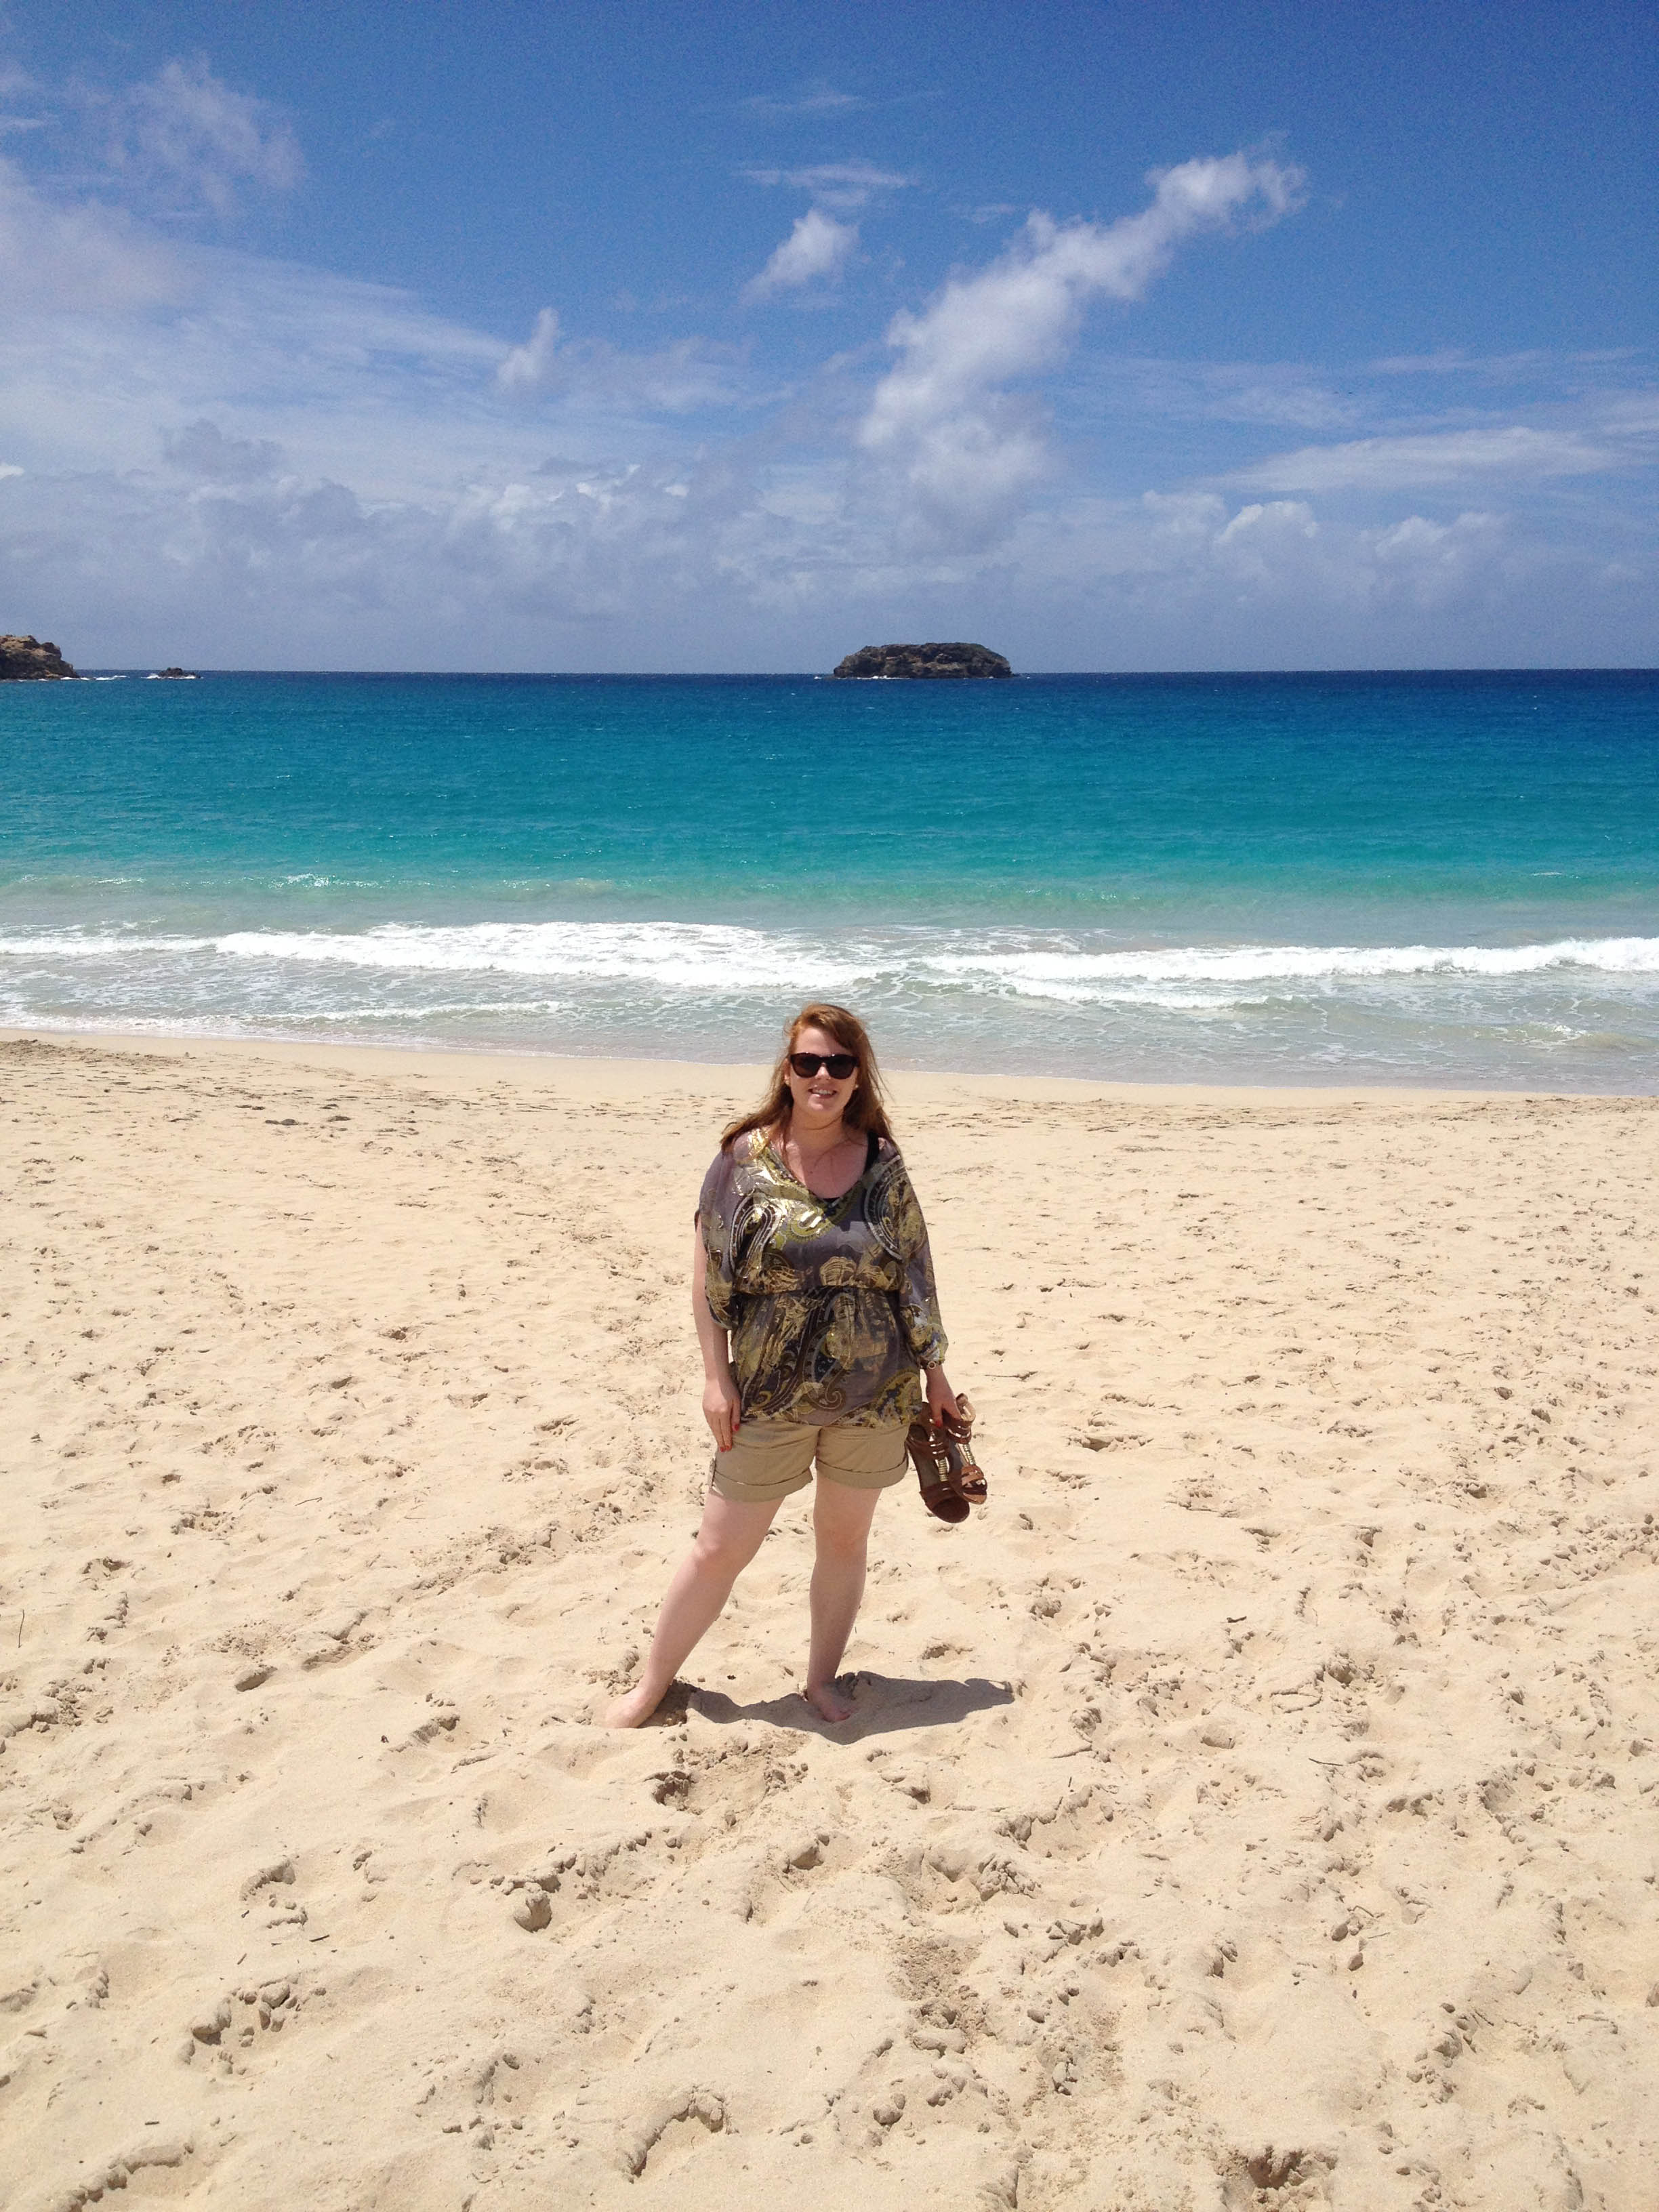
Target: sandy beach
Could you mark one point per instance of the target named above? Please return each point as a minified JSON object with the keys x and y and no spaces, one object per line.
{"x":1254,"y":1807}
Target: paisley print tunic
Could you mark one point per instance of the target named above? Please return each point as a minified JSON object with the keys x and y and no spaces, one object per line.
{"x":830,"y":1301}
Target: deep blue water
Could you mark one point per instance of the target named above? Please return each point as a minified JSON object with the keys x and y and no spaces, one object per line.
{"x":1351,"y":878}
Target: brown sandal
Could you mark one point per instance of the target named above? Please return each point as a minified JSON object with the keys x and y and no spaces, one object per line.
{"x":966,"y":1475}
{"x":927,"y":1449}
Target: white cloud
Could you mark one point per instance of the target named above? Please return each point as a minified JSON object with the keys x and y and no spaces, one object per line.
{"x":730,"y":555}
{"x":356,"y":379}
{"x":529,"y":368}
{"x":1632,"y":416}
{"x":354,"y":382}
{"x":844,"y":185}
{"x":294,"y":569}
{"x":80,"y":256}
{"x":967,"y":451}
{"x":1288,"y":393}
{"x":185,"y":134}
{"x":822,"y":100}
{"x":201,"y":450}
{"x":1277,"y":581}
{"x":818,"y":247}
{"x":223,"y":460}
{"x":1509,"y":451}
{"x":678,"y":379}
{"x":1436,"y":563}
{"x":180,"y":144}
{"x":1503,"y":367}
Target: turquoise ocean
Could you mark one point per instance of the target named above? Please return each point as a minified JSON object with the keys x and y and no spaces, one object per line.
{"x":1329,"y":878}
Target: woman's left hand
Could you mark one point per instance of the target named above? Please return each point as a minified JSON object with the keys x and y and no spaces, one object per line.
{"x":941,"y":1398}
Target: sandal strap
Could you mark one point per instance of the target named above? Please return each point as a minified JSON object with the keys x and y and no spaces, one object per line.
{"x":939,"y":1492}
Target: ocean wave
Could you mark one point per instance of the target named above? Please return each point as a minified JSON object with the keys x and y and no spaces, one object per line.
{"x":715,"y":959}
{"x":685,"y":956}
{"x":95,"y":944}
{"x":1276,"y":963}
{"x":437,"y":1009}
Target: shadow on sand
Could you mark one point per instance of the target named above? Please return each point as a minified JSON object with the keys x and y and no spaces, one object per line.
{"x":883,"y":1704}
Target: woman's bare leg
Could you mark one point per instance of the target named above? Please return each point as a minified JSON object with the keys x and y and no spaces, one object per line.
{"x":729,"y":1538}
{"x":840,"y":1531}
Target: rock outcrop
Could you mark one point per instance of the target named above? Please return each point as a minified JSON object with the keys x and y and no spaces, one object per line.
{"x":923,"y":661}
{"x":26,"y":660}
{"x":179,"y":674}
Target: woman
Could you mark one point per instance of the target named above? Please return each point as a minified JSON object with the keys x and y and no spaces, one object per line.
{"x":812,"y":1290}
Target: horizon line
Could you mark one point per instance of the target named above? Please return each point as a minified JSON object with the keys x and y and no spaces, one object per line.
{"x":815,"y":675}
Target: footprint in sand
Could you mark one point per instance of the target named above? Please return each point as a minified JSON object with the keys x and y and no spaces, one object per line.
{"x":672,"y":2132}
{"x":207,"y":2028}
{"x":534,"y":1909}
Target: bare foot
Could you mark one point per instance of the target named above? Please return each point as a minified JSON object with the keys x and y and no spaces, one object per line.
{"x":828,"y":1703}
{"x":635,"y":1709}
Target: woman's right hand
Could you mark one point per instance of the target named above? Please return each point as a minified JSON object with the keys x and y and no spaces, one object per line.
{"x":721,"y":1408}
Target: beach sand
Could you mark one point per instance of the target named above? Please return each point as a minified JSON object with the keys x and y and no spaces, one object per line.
{"x":1254,"y":1807}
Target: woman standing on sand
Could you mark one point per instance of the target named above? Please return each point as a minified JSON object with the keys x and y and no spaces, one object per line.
{"x":813,"y":1291}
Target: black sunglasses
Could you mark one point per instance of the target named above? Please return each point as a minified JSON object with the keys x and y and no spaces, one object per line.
{"x":837,"y":1065}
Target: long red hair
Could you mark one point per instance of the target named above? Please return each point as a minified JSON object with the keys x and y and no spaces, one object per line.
{"x":866,"y":1109}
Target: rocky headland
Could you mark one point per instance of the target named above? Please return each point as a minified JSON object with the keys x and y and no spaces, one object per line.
{"x":911,"y":660}
{"x":27,"y":660}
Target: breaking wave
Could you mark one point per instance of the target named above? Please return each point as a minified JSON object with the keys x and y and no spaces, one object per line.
{"x":696,"y":958}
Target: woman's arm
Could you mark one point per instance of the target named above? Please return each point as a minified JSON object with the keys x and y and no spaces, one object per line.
{"x":918,"y":1299}
{"x":721,"y":1403}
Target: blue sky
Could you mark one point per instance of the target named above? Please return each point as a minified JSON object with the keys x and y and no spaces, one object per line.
{"x":642,"y":337}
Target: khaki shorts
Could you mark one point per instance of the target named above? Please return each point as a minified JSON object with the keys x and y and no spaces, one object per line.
{"x":769,"y":1459}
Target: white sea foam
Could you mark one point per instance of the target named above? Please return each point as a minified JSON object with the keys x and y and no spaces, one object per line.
{"x":1575,"y":1012}
{"x":1272,"y":963}
{"x":710,"y":959}
{"x":682,"y":956}
{"x":96,"y":945}
{"x":437,"y":1009}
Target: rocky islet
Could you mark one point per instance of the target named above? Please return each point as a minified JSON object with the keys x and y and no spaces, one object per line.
{"x":923,"y":661}
{"x":29,"y":660}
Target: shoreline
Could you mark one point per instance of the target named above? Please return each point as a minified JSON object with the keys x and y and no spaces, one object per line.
{"x":475,"y":1062}
{"x":1245,"y":889}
